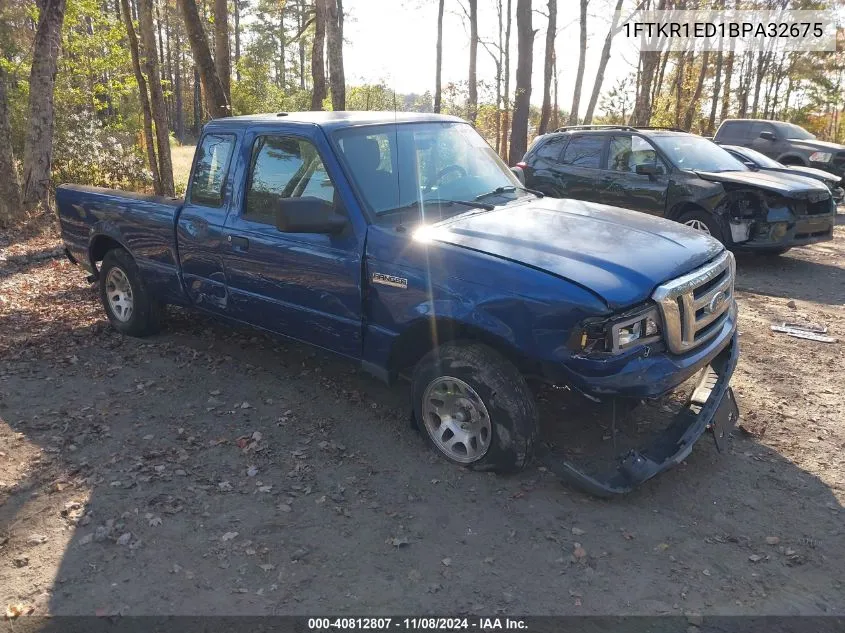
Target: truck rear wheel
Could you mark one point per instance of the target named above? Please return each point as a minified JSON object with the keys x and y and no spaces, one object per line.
{"x":475,"y":407}
{"x":127,"y":304}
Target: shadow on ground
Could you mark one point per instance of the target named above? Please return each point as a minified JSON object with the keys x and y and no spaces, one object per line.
{"x":348,"y":511}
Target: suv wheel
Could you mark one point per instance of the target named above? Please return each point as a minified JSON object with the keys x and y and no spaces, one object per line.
{"x":475,"y":408}
{"x":704,"y":222}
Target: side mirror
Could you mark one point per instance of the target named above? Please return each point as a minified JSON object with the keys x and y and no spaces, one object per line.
{"x":769,"y":136}
{"x":649,"y":169}
{"x":308,"y":215}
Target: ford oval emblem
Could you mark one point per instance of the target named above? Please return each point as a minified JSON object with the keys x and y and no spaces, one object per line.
{"x":716,"y":302}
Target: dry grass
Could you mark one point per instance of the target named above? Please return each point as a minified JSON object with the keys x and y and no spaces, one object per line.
{"x":182,"y":157}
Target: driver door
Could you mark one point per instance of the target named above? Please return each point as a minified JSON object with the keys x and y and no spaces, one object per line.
{"x":302,"y":285}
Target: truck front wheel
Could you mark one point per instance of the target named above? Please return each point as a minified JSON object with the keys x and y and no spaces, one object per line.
{"x":128,"y":306}
{"x":475,"y":407}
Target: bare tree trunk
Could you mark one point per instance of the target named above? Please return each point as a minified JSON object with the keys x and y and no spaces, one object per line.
{"x":334,"y":44}
{"x":438,"y":70}
{"x":548,"y":68}
{"x":237,"y":39}
{"x":10,"y":184}
{"x":556,"y":108}
{"x":222,"y":59}
{"x":500,"y":60}
{"x":643,"y":104}
{"x":197,"y":101}
{"x":717,"y":86}
{"x":763,"y":59}
{"x":168,"y":69}
{"x":648,"y":63}
{"x":726,"y":93}
{"x":692,"y":108}
{"x":179,"y":119}
{"x":300,"y":25}
{"x":582,"y":58}
{"x":506,"y":105}
{"x":318,"y":67}
{"x":143,"y":94}
{"x":216,"y":98}
{"x":472,"y":81}
{"x":680,"y":80}
{"x":522,"y":98}
{"x":605,"y":58}
{"x":38,"y":147}
{"x":662,"y":63}
{"x":280,"y":72}
{"x":159,"y":110}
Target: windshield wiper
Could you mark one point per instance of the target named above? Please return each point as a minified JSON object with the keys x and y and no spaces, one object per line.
{"x":439,"y":202}
{"x":509,"y":189}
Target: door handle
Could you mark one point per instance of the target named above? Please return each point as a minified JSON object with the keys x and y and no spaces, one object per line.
{"x":240,"y":243}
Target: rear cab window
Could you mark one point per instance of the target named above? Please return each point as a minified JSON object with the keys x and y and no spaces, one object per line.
{"x":584,"y":151}
{"x":211,"y":166}
{"x":734,"y":131}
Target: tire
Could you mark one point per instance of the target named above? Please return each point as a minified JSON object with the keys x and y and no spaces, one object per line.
{"x":461,"y":376}
{"x":700,"y":218}
{"x":125,"y":299}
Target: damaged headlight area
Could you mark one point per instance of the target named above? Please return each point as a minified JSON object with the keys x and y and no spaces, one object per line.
{"x":821,"y":157}
{"x":618,"y":333}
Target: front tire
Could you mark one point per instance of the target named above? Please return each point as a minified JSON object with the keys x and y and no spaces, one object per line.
{"x":475,"y":407}
{"x":128,"y":306}
{"x":704,"y":222}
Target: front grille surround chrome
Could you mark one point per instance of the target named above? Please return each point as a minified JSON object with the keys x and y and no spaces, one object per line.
{"x":693,"y":312}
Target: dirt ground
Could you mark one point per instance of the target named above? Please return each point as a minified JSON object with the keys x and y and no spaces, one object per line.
{"x":210,"y":470}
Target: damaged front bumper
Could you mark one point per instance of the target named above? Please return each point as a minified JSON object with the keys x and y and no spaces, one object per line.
{"x":783,"y":228}
{"x":712,"y":406}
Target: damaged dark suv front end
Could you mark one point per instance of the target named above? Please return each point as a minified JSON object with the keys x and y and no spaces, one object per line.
{"x":747,"y":210}
{"x":761,"y":211}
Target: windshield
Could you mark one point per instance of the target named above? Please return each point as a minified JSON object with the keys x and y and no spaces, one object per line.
{"x":761,"y":160}
{"x":424,"y":166}
{"x":794,"y":132}
{"x":694,"y":152}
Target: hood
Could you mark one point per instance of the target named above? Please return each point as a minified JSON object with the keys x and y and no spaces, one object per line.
{"x":619,"y":255}
{"x":811,"y":172}
{"x":767,"y":180}
{"x":822,"y":146}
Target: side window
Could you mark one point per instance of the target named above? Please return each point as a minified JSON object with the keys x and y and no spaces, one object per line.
{"x":211,"y":167}
{"x":551,"y":149}
{"x":619,"y":158}
{"x":283,"y":167}
{"x":584,"y":151}
{"x":626,"y":152}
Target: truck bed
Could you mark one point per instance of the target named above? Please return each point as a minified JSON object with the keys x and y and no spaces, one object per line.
{"x":141,"y":223}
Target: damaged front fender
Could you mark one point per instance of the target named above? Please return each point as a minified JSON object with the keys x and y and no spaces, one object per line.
{"x":712,"y":406}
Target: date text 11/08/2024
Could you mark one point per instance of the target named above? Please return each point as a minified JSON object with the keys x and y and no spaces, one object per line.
{"x":418,"y":624}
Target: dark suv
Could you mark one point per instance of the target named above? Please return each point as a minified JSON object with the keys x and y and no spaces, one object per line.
{"x":787,"y":143}
{"x":683,"y":177}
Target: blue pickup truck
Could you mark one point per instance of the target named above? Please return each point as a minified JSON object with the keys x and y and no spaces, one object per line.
{"x":403,"y":242}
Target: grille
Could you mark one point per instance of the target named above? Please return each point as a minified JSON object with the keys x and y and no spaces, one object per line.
{"x":695,"y":306}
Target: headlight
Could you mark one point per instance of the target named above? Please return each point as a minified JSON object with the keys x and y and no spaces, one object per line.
{"x":821,"y":157}
{"x":634,"y":330}
{"x":618,"y":333}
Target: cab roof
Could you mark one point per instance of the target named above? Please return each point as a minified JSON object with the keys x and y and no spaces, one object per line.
{"x":329,"y":120}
